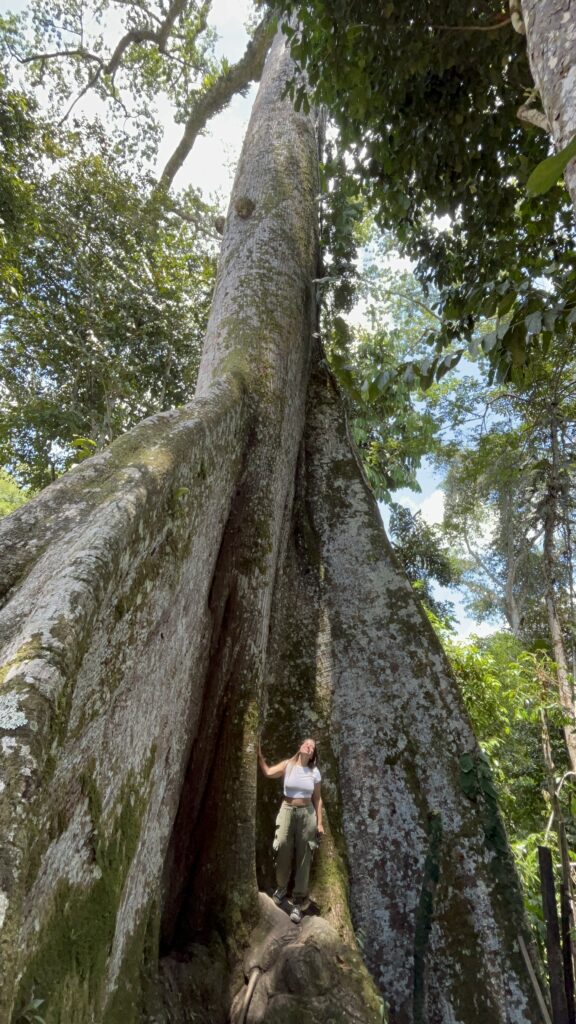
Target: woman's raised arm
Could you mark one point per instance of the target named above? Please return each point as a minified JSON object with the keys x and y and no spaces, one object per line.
{"x":275,"y":771}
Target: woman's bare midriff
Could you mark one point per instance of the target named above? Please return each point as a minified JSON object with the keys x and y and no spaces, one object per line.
{"x":296,"y":801}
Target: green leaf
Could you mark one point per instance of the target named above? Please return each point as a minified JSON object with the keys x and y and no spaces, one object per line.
{"x":83,"y":442}
{"x":533,"y":322}
{"x":547,"y":173}
{"x":505,"y":304}
{"x":488,"y":341}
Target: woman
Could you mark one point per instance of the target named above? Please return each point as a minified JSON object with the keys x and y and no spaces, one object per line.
{"x":299,"y":822}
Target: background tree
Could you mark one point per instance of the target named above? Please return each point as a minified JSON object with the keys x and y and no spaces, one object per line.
{"x":489,"y":514}
{"x":425,"y":558}
{"x":108,"y":320}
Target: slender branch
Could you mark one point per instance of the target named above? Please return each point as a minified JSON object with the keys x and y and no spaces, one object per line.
{"x":494,"y":26}
{"x":89,"y":85}
{"x":480,"y":562}
{"x":135,"y":36}
{"x":197,"y":221}
{"x":412,"y":298}
{"x":566,"y":775}
{"x":79,"y":52}
{"x":218,"y":95}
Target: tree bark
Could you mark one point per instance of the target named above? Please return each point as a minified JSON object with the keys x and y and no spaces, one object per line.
{"x":137,"y":598}
{"x":551,"y":37}
{"x":218,"y":566}
{"x":418,"y":807}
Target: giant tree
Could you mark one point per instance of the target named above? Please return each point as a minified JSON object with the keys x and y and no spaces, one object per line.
{"x":220,"y":569}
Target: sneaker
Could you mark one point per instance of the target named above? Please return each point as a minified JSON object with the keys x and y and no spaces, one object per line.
{"x":296,"y":914}
{"x":278,"y":896}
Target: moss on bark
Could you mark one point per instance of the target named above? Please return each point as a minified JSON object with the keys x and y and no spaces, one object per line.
{"x":68,"y":966}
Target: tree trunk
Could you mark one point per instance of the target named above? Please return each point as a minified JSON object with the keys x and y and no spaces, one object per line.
{"x":219,"y":566}
{"x":551,"y":36}
{"x":418,"y":807}
{"x":550,"y":518}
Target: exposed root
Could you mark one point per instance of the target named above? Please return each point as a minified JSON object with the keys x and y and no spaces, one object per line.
{"x":302,"y":971}
{"x":255,"y":973}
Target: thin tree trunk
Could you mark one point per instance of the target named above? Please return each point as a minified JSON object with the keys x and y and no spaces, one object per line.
{"x":567,"y":888}
{"x":554,"y":624}
{"x":553,"y":948}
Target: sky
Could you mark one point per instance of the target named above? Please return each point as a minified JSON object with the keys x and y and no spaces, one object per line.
{"x":212,"y":163}
{"x":430,"y":502}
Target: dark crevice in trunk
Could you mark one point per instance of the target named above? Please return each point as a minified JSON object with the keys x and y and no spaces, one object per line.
{"x":183,"y":926}
{"x":184,"y":846}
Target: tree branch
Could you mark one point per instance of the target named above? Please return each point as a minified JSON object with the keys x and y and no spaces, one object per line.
{"x":500,"y":23}
{"x":480,"y":562}
{"x":532,"y":116}
{"x":417,"y":302}
{"x":160,"y":36}
{"x":218,"y":95}
{"x":79,"y":52}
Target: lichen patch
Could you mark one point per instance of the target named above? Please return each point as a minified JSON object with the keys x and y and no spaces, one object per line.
{"x":11,"y":715}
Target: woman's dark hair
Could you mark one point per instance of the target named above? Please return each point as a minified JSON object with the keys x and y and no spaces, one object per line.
{"x":313,"y":761}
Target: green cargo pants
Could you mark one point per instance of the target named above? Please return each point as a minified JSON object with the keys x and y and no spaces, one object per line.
{"x":294,"y":845}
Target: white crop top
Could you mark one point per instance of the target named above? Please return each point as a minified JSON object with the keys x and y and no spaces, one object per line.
{"x":299,"y":782}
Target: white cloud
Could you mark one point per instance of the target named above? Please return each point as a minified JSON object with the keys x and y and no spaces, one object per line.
{"x":432,"y":508}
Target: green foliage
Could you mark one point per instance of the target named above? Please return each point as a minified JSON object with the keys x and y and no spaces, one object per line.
{"x":501,"y":479}
{"x":547,"y":173}
{"x":374,"y":365}
{"x":506,"y":690}
{"x":105,"y":280}
{"x":424,"y":556}
{"x":504,"y":700}
{"x":11,"y":495}
{"x":425,"y":97}
{"x":342,"y":215}
{"x":391,"y":433}
{"x":109,"y":317}
{"x":129,"y":56}
{"x":22,"y":133}
{"x":489,"y":518}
